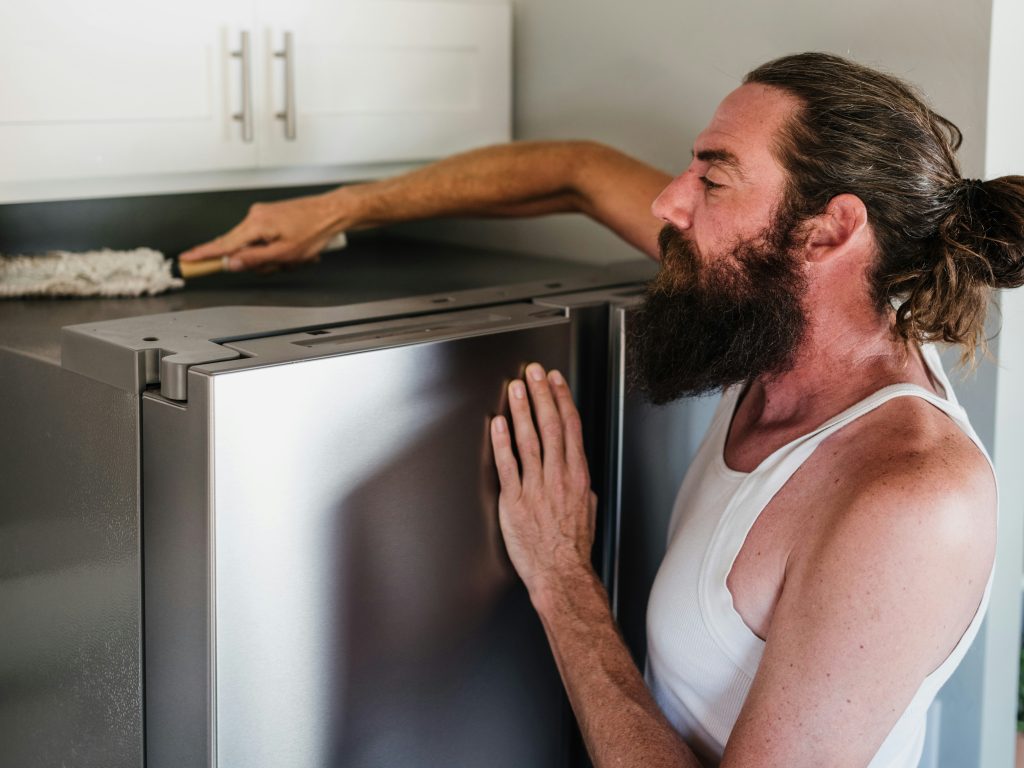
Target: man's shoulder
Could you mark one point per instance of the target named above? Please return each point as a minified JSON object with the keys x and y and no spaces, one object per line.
{"x":908,"y":449}
{"x":889,"y":571}
{"x":907,"y":478}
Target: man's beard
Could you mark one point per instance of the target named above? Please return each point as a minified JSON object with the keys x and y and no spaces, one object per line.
{"x":704,"y":327}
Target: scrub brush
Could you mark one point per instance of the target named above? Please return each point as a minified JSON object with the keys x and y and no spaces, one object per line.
{"x":138,"y":272}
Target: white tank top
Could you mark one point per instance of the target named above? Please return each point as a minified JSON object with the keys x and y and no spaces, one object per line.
{"x":701,"y":656}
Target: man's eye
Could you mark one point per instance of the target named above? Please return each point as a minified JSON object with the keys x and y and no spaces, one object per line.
{"x":708,"y":183}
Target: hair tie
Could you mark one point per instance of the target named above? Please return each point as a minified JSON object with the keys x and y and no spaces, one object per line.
{"x":970,"y":187}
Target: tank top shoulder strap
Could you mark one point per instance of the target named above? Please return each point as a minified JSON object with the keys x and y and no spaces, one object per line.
{"x":878,"y":398}
{"x":947,"y":402}
{"x":758,"y":488}
{"x":761,"y":485}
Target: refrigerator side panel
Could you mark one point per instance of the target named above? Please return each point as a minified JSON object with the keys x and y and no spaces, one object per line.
{"x":365,"y":610}
{"x":589,"y":381}
{"x":176,"y":536}
{"x":70,"y":576}
{"x":593,"y":379}
{"x":652,"y":447}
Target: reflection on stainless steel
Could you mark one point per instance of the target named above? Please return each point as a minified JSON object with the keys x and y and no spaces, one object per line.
{"x":364,"y":612}
{"x":70,"y":607}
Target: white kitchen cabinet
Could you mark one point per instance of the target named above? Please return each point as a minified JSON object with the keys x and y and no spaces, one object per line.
{"x":135,"y":96}
{"x":112,"y":87}
{"x":382,"y":81}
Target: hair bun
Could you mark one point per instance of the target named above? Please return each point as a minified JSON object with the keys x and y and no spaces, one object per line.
{"x":990,"y":225}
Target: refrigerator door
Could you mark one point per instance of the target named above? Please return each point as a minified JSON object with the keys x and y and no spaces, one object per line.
{"x":326,"y":581}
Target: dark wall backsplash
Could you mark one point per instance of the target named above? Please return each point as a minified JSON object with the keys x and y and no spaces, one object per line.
{"x":168,"y":223}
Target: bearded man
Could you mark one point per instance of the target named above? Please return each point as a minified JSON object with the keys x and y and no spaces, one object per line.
{"x":831,"y":550}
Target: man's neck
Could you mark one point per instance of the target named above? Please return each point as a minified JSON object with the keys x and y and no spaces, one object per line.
{"x":846,"y":354}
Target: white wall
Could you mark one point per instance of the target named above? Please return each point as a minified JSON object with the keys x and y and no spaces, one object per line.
{"x":1005,"y":155}
{"x":645,"y":76}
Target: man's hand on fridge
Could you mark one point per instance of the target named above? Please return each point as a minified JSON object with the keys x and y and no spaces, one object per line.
{"x":545,"y":506}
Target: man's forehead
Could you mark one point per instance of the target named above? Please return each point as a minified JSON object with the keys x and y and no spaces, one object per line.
{"x":743,"y":130}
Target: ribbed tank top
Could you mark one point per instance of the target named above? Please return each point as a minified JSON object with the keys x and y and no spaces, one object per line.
{"x":702,"y":657}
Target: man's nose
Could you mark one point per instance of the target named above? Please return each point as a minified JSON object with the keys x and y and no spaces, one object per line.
{"x":675,"y":203}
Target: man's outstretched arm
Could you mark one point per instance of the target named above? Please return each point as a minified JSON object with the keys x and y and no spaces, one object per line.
{"x":518,"y":179}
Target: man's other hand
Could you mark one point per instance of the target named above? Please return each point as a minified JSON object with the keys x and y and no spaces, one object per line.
{"x":546,"y":508}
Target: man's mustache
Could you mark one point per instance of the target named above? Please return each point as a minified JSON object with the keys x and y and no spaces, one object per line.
{"x":666,"y":237}
{"x":672,"y":240}
{"x":680,"y":259}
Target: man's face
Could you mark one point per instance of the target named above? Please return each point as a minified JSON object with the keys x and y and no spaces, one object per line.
{"x":734,"y":183}
{"x":726,"y":306}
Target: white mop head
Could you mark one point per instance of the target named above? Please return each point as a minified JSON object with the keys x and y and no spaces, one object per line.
{"x":139,"y":272}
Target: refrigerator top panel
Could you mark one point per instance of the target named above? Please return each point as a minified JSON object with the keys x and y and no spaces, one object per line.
{"x":144,"y":349}
{"x":375,"y":267}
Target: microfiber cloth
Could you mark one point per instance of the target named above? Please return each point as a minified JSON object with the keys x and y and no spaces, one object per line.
{"x":139,"y":272}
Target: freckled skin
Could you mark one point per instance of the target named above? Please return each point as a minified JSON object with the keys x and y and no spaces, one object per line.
{"x":863,"y":571}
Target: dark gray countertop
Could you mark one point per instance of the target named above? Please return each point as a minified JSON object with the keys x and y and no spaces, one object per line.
{"x":370,"y":269}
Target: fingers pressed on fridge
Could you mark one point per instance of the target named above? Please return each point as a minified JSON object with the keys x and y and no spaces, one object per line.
{"x":549,"y":422}
{"x":504,"y":458}
{"x":571,"y":425}
{"x":525,"y":434}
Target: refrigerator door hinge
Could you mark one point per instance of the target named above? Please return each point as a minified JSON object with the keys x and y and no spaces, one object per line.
{"x":133,"y":357}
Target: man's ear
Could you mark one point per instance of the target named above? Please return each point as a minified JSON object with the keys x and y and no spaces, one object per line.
{"x":842,"y":226}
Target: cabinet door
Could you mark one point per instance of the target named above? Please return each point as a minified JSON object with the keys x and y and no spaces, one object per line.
{"x":383,"y":81}
{"x":112,"y":88}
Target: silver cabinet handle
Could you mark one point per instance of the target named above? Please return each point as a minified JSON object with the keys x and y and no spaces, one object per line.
{"x":288,"y":115}
{"x":245,"y":116}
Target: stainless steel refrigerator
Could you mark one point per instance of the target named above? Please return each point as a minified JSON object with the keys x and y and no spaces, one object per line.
{"x":298,"y":507}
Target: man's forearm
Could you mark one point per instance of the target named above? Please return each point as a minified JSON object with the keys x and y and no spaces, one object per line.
{"x":620,"y":721}
{"x":547,"y":513}
{"x":492,"y":180}
{"x":518,"y":179}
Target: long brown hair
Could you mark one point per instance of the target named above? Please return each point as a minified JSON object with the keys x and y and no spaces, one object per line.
{"x":944,"y":242}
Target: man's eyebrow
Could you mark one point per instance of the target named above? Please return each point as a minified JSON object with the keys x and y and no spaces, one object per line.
{"x":721,"y":157}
